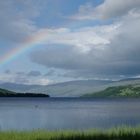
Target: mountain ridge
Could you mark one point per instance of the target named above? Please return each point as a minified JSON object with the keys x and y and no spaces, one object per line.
{"x":70,"y":88}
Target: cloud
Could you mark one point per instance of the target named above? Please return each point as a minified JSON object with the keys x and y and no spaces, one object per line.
{"x":18,"y":19}
{"x":74,"y":49}
{"x":111,"y":8}
{"x":51,"y":72}
{"x":7,"y":71}
{"x":102,"y":50}
{"x":83,"y":39}
{"x":110,"y":50}
{"x":30,"y":78}
{"x":108,"y":9}
{"x":34,"y":73}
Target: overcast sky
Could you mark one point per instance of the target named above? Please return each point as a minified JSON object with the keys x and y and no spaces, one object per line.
{"x":86,"y":39}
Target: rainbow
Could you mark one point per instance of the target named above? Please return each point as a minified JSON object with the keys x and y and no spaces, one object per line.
{"x":32,"y":42}
{"x":29,"y":43}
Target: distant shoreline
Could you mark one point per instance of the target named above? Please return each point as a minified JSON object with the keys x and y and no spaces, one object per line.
{"x":23,"y":95}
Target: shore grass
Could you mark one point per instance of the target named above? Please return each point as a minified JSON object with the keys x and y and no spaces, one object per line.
{"x":120,"y":133}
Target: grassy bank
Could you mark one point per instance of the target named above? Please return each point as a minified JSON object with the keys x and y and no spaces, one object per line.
{"x":123,"y":133}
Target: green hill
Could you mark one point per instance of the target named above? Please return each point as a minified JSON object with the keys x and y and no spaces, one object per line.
{"x":4,"y":91}
{"x":7,"y":93}
{"x":117,"y":91}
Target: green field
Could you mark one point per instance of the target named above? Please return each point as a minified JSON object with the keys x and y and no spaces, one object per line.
{"x":122,"y":133}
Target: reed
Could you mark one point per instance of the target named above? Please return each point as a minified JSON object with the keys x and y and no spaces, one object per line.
{"x":120,"y":133}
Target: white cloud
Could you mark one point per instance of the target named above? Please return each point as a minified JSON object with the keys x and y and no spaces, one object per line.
{"x":83,"y":39}
{"x":108,"y":9}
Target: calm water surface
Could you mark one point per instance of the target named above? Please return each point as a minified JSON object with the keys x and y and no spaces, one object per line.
{"x":67,"y":113}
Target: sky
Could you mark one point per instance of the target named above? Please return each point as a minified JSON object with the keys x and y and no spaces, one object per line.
{"x":50,"y":41}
